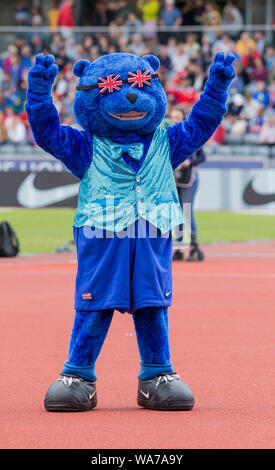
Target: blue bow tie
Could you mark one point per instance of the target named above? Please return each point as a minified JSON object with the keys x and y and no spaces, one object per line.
{"x":134,"y":150}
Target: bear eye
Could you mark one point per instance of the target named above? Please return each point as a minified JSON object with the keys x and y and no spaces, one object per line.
{"x":109,"y":84}
{"x":139,"y":78}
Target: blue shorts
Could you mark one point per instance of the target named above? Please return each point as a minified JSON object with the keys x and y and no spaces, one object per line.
{"x":123,"y":272}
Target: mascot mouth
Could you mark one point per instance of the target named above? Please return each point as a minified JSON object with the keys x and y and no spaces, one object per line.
{"x":130,"y":116}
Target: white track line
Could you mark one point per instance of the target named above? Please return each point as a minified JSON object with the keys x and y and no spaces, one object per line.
{"x":239,"y":275}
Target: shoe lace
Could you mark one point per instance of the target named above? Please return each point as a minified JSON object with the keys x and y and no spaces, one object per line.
{"x":68,"y":380}
{"x":166,"y":378}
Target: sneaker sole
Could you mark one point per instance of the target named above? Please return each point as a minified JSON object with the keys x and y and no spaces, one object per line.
{"x":69,"y":406}
{"x":166,"y":406}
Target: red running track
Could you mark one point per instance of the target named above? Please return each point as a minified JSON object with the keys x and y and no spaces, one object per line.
{"x":222,"y":328}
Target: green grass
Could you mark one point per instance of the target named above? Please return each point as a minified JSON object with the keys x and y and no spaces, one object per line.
{"x":44,"y":230}
{"x":230,"y":226}
{"x":41,"y":230}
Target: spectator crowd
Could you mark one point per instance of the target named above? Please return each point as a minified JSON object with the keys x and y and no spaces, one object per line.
{"x":152,"y":28}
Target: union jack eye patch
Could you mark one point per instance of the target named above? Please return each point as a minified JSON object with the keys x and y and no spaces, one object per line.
{"x":111,"y":83}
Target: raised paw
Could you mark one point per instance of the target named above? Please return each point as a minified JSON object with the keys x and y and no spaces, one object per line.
{"x":222,"y":71}
{"x":42,"y":74}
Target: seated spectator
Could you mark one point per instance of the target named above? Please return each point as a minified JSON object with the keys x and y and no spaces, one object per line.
{"x":137,"y":45}
{"x":248,"y":61}
{"x":185,"y":95}
{"x":235,"y":106}
{"x":26,"y":56}
{"x":123,"y":44}
{"x":259,"y":38}
{"x":251,"y":107}
{"x":259,"y":70}
{"x":192,"y":12}
{"x":179,"y":58}
{"x":101,"y":15}
{"x":87,"y":44}
{"x":36,"y":17}
{"x":133,"y":25}
{"x":195,"y":74}
{"x":269,"y":57}
{"x":212,"y":17}
{"x":8,"y":84}
{"x":165,"y":60}
{"x":19,"y":42}
{"x":149,"y":10}
{"x":7,"y":58}
{"x":16,"y":100}
{"x":22,"y":14}
{"x":261,"y":94}
{"x":16,"y":68}
{"x":66,"y":14}
{"x":191,"y":46}
{"x":53,"y":14}
{"x":61,"y":58}
{"x":224,"y":44}
{"x":103,"y":44}
{"x":231,"y":16}
{"x":245,"y":45}
{"x":239,"y":126}
{"x":122,"y":11}
{"x":170,"y":15}
{"x":16,"y":130}
{"x":61,"y":86}
{"x":237,"y":84}
{"x":36,"y":44}
{"x":255,"y":124}
{"x":205,"y":51}
{"x":267,"y":132}
{"x":56,"y":43}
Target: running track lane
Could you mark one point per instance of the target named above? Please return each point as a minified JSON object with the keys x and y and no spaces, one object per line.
{"x":222,"y":326}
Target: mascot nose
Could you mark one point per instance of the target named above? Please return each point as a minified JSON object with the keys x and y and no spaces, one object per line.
{"x":132,"y":97}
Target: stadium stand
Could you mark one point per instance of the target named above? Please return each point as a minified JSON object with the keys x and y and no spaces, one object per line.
{"x":248,"y":128}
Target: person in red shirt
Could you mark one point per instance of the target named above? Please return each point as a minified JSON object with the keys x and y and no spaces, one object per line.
{"x":185,"y":94}
{"x":66,"y":15}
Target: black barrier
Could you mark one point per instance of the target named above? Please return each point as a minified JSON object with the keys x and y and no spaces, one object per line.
{"x":36,"y":190}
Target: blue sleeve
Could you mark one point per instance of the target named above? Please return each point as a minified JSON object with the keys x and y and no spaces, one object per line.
{"x":69,"y":145}
{"x":186,"y":137}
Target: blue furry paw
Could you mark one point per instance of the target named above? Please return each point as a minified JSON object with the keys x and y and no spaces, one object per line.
{"x":221,"y":72}
{"x":42,"y":75}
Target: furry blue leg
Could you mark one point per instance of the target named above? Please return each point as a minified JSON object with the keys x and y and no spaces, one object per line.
{"x":88,"y":335}
{"x":151,"y":325}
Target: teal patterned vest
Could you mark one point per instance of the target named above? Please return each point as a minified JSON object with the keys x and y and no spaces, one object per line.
{"x":112,"y":196}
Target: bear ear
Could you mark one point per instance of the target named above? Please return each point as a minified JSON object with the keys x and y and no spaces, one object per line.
{"x":153,"y":61}
{"x":80,"y":66}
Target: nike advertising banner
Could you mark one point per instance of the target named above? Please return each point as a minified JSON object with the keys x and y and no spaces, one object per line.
{"x":235,"y":189}
{"x":37,"y":184}
{"x":36,"y":190}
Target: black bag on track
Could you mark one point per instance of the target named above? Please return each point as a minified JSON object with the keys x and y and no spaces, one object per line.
{"x":9,"y":245}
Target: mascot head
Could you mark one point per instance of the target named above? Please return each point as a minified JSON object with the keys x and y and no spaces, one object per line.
{"x":119,"y":93}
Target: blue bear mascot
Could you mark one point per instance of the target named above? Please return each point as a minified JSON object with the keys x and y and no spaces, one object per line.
{"x":127,"y":208}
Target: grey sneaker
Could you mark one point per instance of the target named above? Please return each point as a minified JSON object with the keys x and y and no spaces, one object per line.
{"x":165,"y":392}
{"x":71,"y":393}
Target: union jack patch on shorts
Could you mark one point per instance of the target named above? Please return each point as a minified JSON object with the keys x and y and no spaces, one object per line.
{"x":87,"y":296}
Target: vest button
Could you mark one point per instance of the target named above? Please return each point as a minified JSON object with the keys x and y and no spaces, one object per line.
{"x":138,"y":190}
{"x":138,"y":179}
{"x":140,"y":211}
